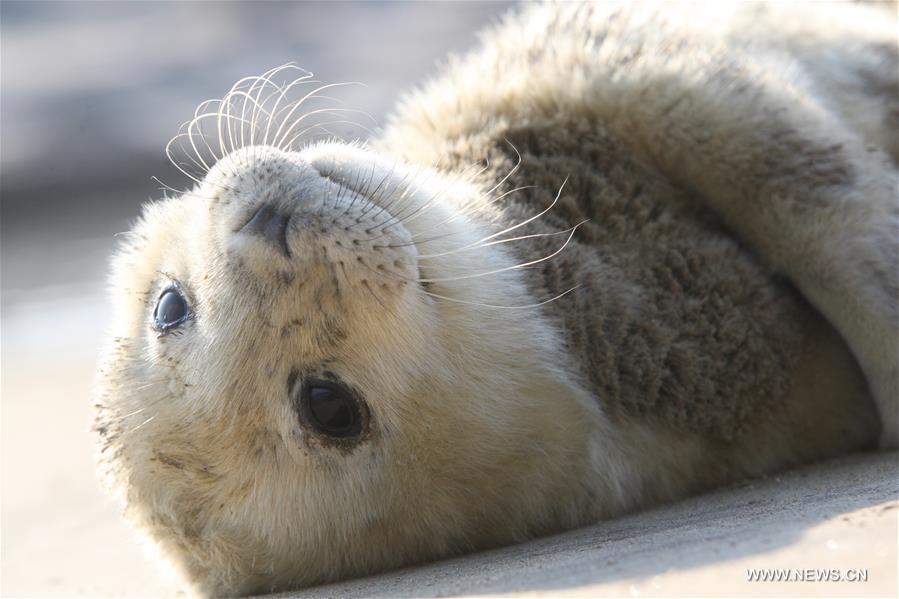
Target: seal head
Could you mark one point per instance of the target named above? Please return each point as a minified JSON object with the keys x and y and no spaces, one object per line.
{"x":309,"y":378}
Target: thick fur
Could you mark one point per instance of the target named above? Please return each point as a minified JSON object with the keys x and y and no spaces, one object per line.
{"x":728,"y":308}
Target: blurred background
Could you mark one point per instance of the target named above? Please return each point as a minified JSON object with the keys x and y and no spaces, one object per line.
{"x":90,"y":93}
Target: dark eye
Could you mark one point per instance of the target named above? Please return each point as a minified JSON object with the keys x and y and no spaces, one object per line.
{"x":171,"y":309}
{"x":331,"y":409}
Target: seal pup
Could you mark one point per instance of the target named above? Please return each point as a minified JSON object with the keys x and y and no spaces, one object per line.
{"x":618,"y":255}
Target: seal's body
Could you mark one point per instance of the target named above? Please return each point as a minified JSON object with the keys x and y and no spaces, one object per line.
{"x":619,"y":255}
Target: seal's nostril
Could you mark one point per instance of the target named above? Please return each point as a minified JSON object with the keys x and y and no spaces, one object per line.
{"x":271,"y":225}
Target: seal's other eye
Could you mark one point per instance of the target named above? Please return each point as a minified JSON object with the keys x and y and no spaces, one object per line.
{"x":171,"y":309}
{"x":331,"y":409}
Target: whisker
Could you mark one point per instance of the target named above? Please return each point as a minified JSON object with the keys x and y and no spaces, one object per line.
{"x":507,"y":268}
{"x":475,"y":246}
{"x":461,"y":213}
{"x":275,"y":111}
{"x":262,"y":81}
{"x":382,"y":207}
{"x":226,"y":100}
{"x":511,"y":172}
{"x":196,"y":119}
{"x":290,"y":142}
{"x":497,"y":306}
{"x":148,"y":420}
{"x":296,"y":105}
{"x":329,"y":111}
{"x":370,"y":195}
{"x":533,"y":218}
{"x":398,"y":200}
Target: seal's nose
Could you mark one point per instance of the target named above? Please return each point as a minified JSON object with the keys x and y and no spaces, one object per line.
{"x":270,"y":225}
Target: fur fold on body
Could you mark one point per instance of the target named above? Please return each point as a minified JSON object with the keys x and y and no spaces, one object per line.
{"x":618,"y":255}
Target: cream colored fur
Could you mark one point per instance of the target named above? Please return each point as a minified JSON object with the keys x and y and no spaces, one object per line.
{"x":484,"y":429}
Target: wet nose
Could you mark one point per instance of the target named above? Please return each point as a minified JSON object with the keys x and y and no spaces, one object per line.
{"x":270,"y":225}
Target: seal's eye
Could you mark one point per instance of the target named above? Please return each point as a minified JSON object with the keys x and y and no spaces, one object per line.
{"x":171,"y":309}
{"x":331,"y":409}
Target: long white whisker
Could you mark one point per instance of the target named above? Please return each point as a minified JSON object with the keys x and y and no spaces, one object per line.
{"x":257,"y":108}
{"x":196,"y":120}
{"x":234,"y":88}
{"x":150,"y":419}
{"x":280,"y":136}
{"x":476,"y":245}
{"x":461,"y":214}
{"x":511,"y":172}
{"x":261,"y":82}
{"x":483,"y":305}
{"x":507,"y":268}
{"x":292,"y":106}
{"x":533,"y":218}
{"x":176,"y":164}
{"x":293,"y":139}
